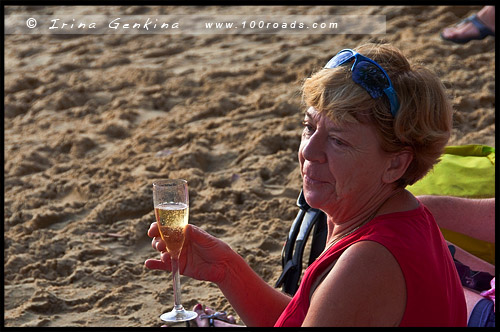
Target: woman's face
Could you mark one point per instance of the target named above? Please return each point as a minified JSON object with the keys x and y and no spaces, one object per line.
{"x":341,"y":165}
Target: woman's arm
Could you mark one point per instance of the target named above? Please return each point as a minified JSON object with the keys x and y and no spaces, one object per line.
{"x":255,"y":301}
{"x":205,"y":257}
{"x":472,"y":217}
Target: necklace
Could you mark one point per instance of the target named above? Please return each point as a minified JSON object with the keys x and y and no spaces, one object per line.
{"x":343,"y":236}
{"x":356,"y":228}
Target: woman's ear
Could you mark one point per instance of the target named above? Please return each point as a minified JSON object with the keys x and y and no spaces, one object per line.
{"x":397,"y":165}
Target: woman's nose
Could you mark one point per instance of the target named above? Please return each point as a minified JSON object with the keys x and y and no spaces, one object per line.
{"x":313,"y":148}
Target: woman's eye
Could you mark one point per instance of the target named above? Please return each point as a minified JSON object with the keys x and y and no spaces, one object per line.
{"x":307,"y":127}
{"x":336,"y":141}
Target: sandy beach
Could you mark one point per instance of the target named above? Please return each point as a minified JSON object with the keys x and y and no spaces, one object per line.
{"x":92,"y":119}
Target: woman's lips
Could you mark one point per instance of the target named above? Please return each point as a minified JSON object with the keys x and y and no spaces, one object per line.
{"x":311,"y":180}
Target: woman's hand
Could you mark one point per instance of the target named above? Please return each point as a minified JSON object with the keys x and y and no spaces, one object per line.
{"x":203,"y":257}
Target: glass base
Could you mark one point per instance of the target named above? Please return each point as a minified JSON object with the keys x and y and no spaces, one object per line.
{"x":178,"y":316}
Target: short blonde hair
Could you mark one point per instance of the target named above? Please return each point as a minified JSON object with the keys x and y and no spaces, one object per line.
{"x":422,"y":123}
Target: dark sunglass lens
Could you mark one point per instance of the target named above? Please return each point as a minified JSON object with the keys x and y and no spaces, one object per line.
{"x":371,"y":78}
{"x":339,"y":59}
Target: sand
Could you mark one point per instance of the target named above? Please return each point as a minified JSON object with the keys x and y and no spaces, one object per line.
{"x":91,"y":120}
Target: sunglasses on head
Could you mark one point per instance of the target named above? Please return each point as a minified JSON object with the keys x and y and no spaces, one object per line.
{"x":368,"y":74}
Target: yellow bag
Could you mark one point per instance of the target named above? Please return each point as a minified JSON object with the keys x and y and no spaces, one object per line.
{"x":463,"y":171}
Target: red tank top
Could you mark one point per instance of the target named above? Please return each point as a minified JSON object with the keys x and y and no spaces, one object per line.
{"x":434,"y":294}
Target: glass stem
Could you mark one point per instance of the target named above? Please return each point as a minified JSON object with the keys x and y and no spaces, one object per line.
{"x":177,"y":284}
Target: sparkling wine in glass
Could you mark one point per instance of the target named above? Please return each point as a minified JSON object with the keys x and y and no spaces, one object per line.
{"x":171,"y":203}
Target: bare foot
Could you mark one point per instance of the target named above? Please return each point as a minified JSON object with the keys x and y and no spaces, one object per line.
{"x":204,"y":322}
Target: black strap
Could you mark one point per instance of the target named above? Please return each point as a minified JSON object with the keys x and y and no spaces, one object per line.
{"x":293,"y":250}
{"x":318,"y":238}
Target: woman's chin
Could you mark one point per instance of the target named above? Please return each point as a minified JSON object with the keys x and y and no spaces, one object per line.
{"x":315,"y":200}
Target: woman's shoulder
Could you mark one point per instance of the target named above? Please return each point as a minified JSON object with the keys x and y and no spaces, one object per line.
{"x":403,"y":203}
{"x":365,"y":254}
{"x":366,"y":280}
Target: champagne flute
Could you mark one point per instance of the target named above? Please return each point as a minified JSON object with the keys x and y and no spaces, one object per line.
{"x":171,"y":204}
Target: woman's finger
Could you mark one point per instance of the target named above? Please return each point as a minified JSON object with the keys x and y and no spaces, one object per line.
{"x":156,"y":264}
{"x":158,"y":244}
{"x":165,"y":257}
{"x":153,"y":230}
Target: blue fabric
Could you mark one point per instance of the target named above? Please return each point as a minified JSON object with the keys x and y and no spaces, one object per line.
{"x":483,"y":314}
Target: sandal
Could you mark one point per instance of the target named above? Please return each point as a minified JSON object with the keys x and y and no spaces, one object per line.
{"x":211,"y":316}
{"x":219,"y":315}
{"x":484,"y":31}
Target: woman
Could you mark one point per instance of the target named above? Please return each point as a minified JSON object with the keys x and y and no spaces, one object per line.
{"x":373,"y":125}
